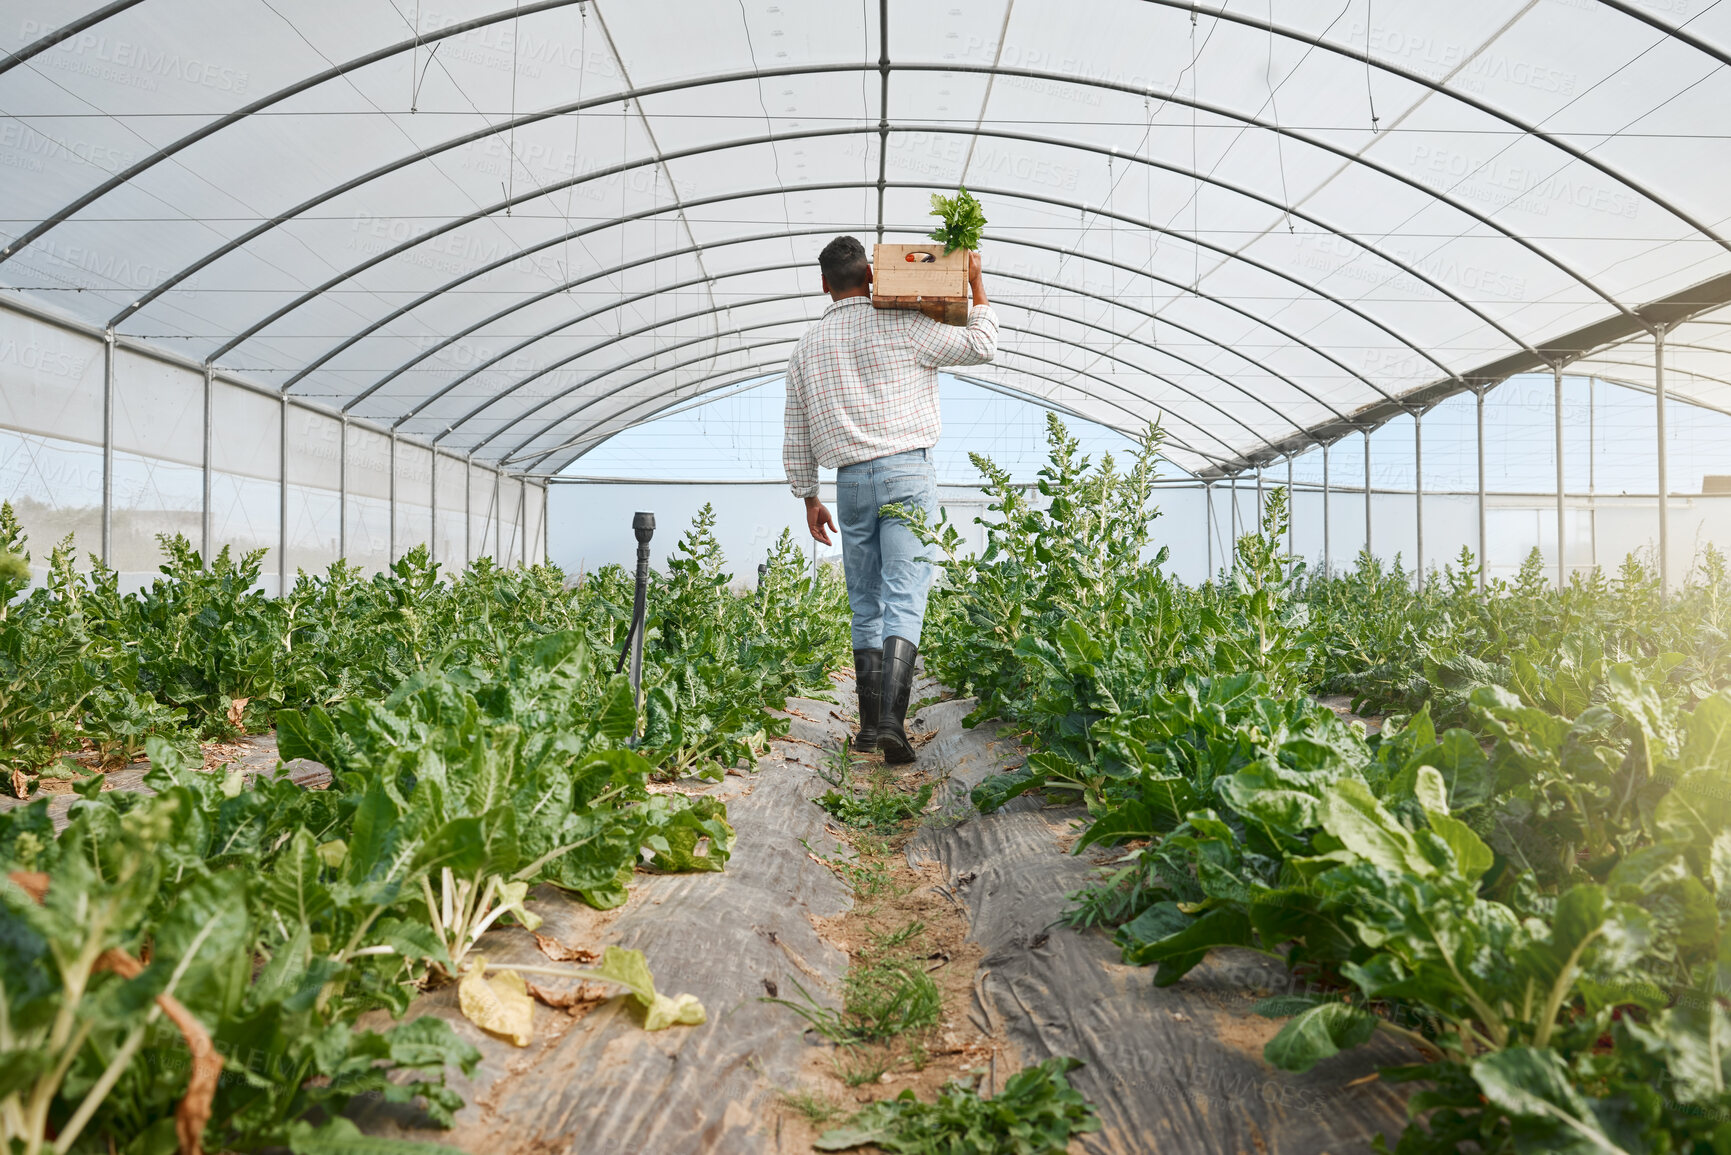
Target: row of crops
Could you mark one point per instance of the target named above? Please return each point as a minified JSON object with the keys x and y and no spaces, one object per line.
{"x":1526,"y":875}
{"x":188,"y":966}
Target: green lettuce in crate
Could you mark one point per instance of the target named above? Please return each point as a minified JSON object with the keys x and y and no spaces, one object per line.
{"x":963,"y":219}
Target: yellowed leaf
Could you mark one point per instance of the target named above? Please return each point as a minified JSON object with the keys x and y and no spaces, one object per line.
{"x":665,"y":1012}
{"x":559,"y":952}
{"x":498,"y":1003}
{"x":236,"y":708}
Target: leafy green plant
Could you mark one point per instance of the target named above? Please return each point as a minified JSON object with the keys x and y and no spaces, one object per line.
{"x":1036,"y":1113}
{"x":963,"y":220}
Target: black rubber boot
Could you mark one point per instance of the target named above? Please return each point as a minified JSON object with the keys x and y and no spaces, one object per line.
{"x":868,"y":670}
{"x":898,"y":684}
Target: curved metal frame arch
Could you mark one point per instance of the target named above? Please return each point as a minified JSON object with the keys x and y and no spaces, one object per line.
{"x":997,"y":387}
{"x":756,"y":238}
{"x":762,"y":367}
{"x":1032,"y":397}
{"x":621,"y":366}
{"x":1158,"y":405}
{"x":1145,"y":274}
{"x":1313,"y":291}
{"x":656,"y":399}
{"x":885,"y":66}
{"x":1626,"y":383}
{"x":1626,"y":9}
{"x":1293,"y":424}
{"x":990,"y":386}
{"x":1304,"y":286}
{"x":14,"y":247}
{"x":67,"y":31}
{"x":661,"y":159}
{"x":1301,"y":430}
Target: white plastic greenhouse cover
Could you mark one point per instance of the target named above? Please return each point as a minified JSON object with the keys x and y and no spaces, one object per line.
{"x":517,"y":230}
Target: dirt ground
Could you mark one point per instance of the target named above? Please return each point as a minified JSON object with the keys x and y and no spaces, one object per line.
{"x":914,"y":907}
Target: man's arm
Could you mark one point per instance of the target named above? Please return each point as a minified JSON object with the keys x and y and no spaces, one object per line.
{"x":937,"y":344}
{"x":797,"y":457}
{"x":796,"y":454}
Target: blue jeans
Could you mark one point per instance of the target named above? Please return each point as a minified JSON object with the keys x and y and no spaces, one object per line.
{"x":889,"y":572}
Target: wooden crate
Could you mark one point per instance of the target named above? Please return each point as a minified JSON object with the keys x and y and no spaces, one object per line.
{"x":937,"y":287}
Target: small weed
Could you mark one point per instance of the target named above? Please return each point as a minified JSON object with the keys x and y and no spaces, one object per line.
{"x":834,"y":767}
{"x":888,"y":999}
{"x":814,"y":1105}
{"x":856,"y":1069}
{"x":878,"y":808}
{"x":879,"y":1003}
{"x":865,"y":875}
{"x":900,"y":937}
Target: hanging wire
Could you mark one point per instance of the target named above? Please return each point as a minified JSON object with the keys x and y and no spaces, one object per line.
{"x":1279,"y":137}
{"x":511,"y":143}
{"x":1369,"y":95}
{"x":1195,"y":193}
{"x":576,"y":134}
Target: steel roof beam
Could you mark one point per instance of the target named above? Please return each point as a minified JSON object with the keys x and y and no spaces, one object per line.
{"x":993,"y":70}
{"x":1304,"y":287}
{"x":556,"y":397}
{"x":64,"y":33}
{"x":17,"y":245}
{"x":1413,"y":271}
{"x":757,"y":238}
{"x":1525,"y":128}
{"x":1134,"y":433}
{"x":1682,"y":306}
{"x":789,"y":267}
{"x":500,"y":262}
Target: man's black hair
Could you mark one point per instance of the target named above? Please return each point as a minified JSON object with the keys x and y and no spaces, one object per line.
{"x":844,"y":264}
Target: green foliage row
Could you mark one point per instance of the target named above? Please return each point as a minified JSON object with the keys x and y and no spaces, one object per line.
{"x":1526,"y":874}
{"x":202,"y":653}
{"x":480,"y":743}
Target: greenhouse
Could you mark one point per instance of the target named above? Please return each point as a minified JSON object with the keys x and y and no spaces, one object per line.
{"x":1003,"y":576}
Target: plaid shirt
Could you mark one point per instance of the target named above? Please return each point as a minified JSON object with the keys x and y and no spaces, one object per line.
{"x":863,"y":383}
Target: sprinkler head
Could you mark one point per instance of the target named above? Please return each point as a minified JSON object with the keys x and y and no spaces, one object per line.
{"x":643,"y":524}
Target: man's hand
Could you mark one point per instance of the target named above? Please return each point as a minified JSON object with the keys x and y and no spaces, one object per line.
{"x":976,"y":282}
{"x":817,"y":517}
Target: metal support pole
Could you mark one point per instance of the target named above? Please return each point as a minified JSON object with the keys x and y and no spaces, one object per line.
{"x":1327,"y":556}
{"x":1418,"y":494}
{"x":1232,"y":527}
{"x":546,"y":517}
{"x":1367,"y":548}
{"x":1562,"y":544}
{"x":498,"y":516}
{"x":1208,"y":528}
{"x":433,"y":507}
{"x":108,"y":447}
{"x":343,"y":489}
{"x":523,"y":515}
{"x":1259,"y":499}
{"x":204,"y":529}
{"x":1291,"y":509}
{"x":1592,"y":467}
{"x":391,"y":546}
{"x":468,"y":511}
{"x":1484,"y":533}
{"x":282,"y":489}
{"x":1664,"y":471}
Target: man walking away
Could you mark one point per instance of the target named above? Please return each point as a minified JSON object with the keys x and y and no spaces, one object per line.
{"x":862,"y":398}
